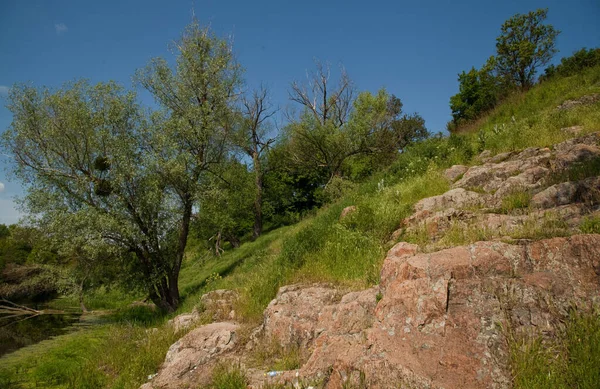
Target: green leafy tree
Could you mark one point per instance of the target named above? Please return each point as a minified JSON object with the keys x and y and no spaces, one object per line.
{"x":319,"y":138}
{"x":335,"y":127}
{"x":289,"y":190}
{"x":399,"y":129}
{"x":226,"y":209}
{"x":525,"y":44}
{"x":91,"y":159}
{"x":4,"y":231}
{"x":479,"y":91}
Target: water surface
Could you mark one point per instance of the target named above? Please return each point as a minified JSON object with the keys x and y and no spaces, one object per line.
{"x":15,"y":334}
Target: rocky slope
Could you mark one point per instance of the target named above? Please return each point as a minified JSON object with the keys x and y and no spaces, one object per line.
{"x":441,"y":315}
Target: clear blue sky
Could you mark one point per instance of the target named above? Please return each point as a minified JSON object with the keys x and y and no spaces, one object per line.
{"x":412,"y":48}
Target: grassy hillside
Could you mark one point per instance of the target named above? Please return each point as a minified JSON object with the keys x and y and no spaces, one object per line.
{"x":122,"y":352}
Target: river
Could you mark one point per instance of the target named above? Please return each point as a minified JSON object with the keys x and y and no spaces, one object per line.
{"x":21,"y":333}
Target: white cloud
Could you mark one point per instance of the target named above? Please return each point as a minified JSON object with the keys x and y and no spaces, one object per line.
{"x":1,"y":187}
{"x":3,"y":90}
{"x":8,"y":212}
{"x":61,"y":28}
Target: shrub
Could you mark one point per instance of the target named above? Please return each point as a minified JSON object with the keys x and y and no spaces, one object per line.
{"x":573,"y":64}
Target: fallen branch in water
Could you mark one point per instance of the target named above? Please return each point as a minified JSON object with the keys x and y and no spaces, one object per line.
{"x":8,"y":307}
{"x":9,"y":310}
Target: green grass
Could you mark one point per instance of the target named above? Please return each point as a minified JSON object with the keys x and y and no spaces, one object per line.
{"x":270,"y":355}
{"x":118,"y":350}
{"x":518,"y":200}
{"x":460,"y":235}
{"x":228,"y":377}
{"x":590,"y":225}
{"x":531,"y":119}
{"x":570,"y":360}
{"x":550,"y":225}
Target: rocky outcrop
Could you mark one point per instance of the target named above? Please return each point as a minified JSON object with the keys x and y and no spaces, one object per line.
{"x":584,"y":100}
{"x":523,"y":170}
{"x":585,"y":191}
{"x":216,"y":305}
{"x":185,"y":320}
{"x":441,"y":318}
{"x":192,"y":357}
{"x":531,"y":170}
{"x":455,"y":198}
{"x":300,"y":314}
{"x":455,"y":172}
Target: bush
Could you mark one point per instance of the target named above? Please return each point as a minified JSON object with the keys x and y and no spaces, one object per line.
{"x":580,"y":60}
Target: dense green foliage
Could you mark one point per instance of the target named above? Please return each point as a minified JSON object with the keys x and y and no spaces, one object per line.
{"x":27,"y":266}
{"x":479,"y":91}
{"x":580,"y":60}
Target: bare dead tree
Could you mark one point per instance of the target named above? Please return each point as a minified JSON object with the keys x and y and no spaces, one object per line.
{"x":253,"y":139}
{"x":325,"y":101}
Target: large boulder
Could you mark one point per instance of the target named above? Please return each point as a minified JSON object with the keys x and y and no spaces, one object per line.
{"x":191,"y":358}
{"x":292,"y":318}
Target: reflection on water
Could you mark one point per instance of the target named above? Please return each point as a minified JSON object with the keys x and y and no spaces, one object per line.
{"x":17,"y":334}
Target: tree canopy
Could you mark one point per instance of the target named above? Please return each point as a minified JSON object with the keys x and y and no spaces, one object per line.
{"x":525,"y":44}
{"x":96,"y":166}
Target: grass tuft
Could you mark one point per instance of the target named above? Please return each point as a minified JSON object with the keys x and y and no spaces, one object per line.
{"x":518,"y":200}
{"x":590,"y":225}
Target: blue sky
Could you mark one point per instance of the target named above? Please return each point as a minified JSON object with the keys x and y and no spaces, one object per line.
{"x":412,"y":48}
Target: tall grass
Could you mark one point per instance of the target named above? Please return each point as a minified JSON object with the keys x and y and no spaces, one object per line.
{"x":571,"y":360}
{"x":531,"y":119}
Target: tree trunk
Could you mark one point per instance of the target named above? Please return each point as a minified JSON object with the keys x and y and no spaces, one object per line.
{"x":234,"y":241}
{"x":165,"y":294}
{"x":258,"y":226}
{"x":218,"y":248}
{"x":173,"y":276}
{"x":81,"y":304}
